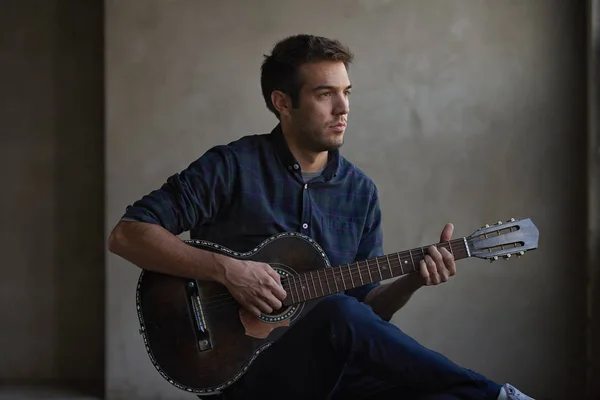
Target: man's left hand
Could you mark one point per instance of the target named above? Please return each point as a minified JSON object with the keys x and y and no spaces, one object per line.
{"x":438,"y":265}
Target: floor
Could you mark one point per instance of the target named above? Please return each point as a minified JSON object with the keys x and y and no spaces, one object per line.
{"x":41,"y":393}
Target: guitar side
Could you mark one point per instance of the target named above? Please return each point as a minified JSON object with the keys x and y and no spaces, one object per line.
{"x":193,"y":330}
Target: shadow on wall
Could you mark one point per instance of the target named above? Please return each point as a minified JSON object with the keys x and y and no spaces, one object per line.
{"x":79,"y":189}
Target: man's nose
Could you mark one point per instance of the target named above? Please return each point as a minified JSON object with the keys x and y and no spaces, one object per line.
{"x":342,"y":105}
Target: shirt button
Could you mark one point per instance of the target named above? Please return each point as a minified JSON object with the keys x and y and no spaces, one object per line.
{"x":306,"y":186}
{"x":305,"y":225}
{"x":296,"y":166}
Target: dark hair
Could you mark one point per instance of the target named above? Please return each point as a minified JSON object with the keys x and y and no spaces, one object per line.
{"x":279,"y":71}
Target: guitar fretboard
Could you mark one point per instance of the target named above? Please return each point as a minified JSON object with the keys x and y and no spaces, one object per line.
{"x":323,"y":282}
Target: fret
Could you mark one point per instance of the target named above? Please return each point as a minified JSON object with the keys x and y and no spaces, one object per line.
{"x":388,"y":261}
{"x":287,"y":282}
{"x":369,"y":270}
{"x":303,"y":287}
{"x":423,"y":251}
{"x":337,"y":289}
{"x":314,"y":283}
{"x":343,"y":279}
{"x":327,"y":281}
{"x":450,"y":246}
{"x":320,"y":283}
{"x":412,"y":260}
{"x":360,"y":273}
{"x":389,"y":266}
{"x":400,"y":260}
{"x":378,"y":267}
{"x":308,"y":285}
{"x":296,"y":287}
{"x":350,"y":272}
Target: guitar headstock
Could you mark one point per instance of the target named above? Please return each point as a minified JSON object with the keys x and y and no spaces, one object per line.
{"x":503,"y":240}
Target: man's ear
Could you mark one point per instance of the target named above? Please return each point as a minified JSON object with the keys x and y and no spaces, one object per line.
{"x":282,"y":102}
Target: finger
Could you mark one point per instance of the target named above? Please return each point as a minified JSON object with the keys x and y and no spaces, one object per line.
{"x":424,"y":272}
{"x":273,"y":274}
{"x":252,"y":309}
{"x":440,"y":267}
{"x":262,"y":305}
{"x":278,"y":290}
{"x":432,"y":268}
{"x":447,"y":233}
{"x":435,"y":254}
{"x":275,"y":283}
{"x":271,"y":300}
{"x":443,"y":274}
{"x":449,"y":261}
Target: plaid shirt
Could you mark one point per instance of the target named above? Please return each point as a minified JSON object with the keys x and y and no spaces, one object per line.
{"x":239,"y":194}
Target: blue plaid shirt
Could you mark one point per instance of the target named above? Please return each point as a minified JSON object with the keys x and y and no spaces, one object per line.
{"x":238,"y":195}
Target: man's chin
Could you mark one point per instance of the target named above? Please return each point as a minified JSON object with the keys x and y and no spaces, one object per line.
{"x":334,"y":145}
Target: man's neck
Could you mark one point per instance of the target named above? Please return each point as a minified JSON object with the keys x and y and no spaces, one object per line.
{"x":309,"y":161}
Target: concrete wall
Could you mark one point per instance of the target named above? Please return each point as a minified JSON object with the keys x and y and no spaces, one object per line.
{"x":51,"y":158}
{"x":594,"y":199}
{"x":463,"y":111}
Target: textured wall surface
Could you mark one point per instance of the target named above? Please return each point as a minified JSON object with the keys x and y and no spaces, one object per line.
{"x":51,"y":208}
{"x":464,"y":111}
{"x":594,"y":199}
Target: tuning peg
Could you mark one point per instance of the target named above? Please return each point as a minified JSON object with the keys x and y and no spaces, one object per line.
{"x":499,"y":223}
{"x":487,"y":226}
{"x":520,"y":254}
{"x":493,"y":259}
{"x":507,"y":256}
{"x":512,"y":220}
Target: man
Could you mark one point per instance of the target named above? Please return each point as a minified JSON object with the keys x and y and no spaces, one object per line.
{"x":294,"y":179}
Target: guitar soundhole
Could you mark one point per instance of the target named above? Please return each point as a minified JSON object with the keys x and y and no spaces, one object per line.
{"x":285,"y":312}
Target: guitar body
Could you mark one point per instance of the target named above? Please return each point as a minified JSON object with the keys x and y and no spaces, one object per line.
{"x":198,"y":337}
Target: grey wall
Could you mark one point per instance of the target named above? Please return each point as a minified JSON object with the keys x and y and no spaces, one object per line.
{"x":51,"y":207}
{"x":594,"y":199}
{"x":464,"y":111}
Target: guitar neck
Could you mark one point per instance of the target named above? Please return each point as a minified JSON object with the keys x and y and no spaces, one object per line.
{"x":323,"y":282}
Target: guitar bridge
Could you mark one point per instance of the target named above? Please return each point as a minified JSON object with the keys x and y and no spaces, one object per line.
{"x":200,"y":328}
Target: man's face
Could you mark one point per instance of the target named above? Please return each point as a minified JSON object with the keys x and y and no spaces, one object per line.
{"x":319,"y":122}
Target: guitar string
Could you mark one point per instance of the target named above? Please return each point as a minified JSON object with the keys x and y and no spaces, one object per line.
{"x":357,"y":273}
{"x":398,"y":261}
{"x":228,"y":299}
{"x":226,"y":303}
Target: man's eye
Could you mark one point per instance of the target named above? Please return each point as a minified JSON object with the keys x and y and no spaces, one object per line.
{"x":326,"y":94}
{"x":348,"y":93}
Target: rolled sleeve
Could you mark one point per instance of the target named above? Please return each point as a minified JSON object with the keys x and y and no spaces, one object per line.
{"x":189,"y":198}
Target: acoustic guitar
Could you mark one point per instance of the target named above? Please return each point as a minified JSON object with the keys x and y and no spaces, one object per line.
{"x":201,"y":340}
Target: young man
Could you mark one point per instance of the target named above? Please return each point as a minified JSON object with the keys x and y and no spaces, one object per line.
{"x":294,"y":179}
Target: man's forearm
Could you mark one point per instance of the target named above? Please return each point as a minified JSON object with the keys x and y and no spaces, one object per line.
{"x":154,"y":248}
{"x":387,"y":299}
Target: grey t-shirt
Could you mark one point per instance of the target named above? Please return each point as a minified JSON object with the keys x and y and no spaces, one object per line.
{"x":308,"y":176}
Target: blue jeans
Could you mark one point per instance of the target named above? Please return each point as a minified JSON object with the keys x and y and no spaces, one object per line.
{"x":343,"y":350}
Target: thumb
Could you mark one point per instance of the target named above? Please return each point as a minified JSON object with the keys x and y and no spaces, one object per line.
{"x":447,"y":233}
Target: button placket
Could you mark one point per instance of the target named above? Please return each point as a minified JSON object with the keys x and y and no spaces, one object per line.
{"x":305,"y":209}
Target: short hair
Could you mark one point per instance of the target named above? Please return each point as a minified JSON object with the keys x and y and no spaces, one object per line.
{"x":279,"y":70}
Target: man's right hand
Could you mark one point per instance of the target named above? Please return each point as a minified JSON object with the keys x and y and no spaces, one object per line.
{"x":255,"y":285}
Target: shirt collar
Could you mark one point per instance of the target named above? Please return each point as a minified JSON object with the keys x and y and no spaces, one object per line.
{"x":283,"y":151}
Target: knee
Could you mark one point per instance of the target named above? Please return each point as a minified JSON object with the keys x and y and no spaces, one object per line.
{"x":343,"y":307}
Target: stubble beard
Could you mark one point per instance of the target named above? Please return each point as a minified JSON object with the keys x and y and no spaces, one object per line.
{"x":317,"y":140}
